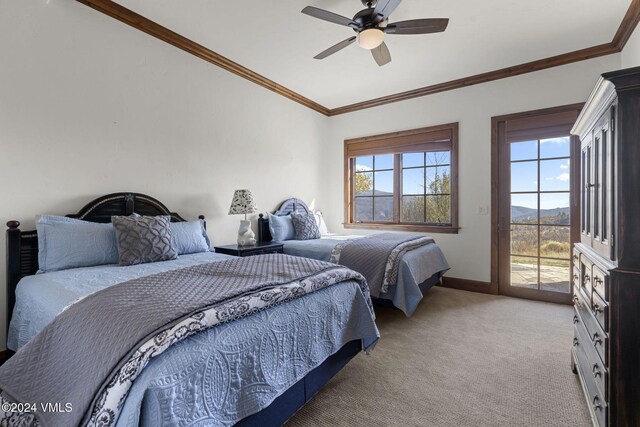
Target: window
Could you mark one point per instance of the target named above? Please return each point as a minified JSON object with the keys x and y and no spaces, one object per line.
{"x":403,"y":180}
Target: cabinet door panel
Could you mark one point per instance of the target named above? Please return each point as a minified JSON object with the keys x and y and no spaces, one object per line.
{"x":596,"y":179}
{"x":585,"y":192}
{"x":601,"y":166}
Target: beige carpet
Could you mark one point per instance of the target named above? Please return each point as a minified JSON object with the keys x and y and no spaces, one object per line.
{"x":463,"y":359}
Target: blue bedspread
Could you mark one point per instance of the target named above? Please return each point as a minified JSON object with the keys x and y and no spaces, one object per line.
{"x":225,"y":373}
{"x":41,"y":297}
{"x":415,"y":267}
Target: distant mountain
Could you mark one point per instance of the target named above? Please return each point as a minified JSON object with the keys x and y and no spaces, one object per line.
{"x":384,"y":206}
{"x":522,"y":213}
{"x":375,"y":193}
{"x":384,"y":209}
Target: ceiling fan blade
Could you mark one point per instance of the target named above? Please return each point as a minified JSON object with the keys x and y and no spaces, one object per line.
{"x":325,"y":15}
{"x":381,"y":54}
{"x":384,"y":8}
{"x":333,"y":49}
{"x":418,"y":26}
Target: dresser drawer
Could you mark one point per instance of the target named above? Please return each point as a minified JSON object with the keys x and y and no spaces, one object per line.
{"x":600,"y":310}
{"x":593,"y":277}
{"x":597,"y":336}
{"x":582,"y":298}
{"x":595,"y":400}
{"x":600,"y":282}
{"x":585,"y":280}
{"x":577,"y":284}
{"x":592,"y":365}
{"x":576,"y":258}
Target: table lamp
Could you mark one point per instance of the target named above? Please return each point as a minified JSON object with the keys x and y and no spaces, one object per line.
{"x":243,"y":203}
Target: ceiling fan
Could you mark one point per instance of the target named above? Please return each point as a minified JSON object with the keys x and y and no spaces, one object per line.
{"x":371,"y":25}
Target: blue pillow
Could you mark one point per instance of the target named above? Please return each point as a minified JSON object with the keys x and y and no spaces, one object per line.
{"x":69,"y":243}
{"x":281,"y":228}
{"x":190,"y":237}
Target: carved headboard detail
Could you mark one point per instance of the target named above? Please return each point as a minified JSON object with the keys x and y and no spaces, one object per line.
{"x":286,"y":208}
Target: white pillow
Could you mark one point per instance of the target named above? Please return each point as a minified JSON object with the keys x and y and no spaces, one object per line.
{"x":322,"y":226}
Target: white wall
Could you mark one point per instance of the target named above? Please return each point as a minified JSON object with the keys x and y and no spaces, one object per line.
{"x":631,"y":51}
{"x":469,"y":251}
{"x":90,"y":106}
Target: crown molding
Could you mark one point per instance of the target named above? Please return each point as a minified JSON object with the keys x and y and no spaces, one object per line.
{"x":127,"y":16}
{"x":627,"y":26}
{"x":529,"y":67}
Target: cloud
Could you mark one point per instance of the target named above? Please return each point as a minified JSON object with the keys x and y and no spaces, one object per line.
{"x":564,"y":166}
{"x":562,"y":177}
{"x":555,"y":141}
{"x":360,"y":168}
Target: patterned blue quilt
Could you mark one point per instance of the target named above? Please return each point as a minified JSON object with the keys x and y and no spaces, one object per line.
{"x":221,"y":375}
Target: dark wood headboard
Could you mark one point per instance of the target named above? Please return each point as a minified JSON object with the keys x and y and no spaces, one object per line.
{"x":286,"y":208}
{"x":22,"y":246}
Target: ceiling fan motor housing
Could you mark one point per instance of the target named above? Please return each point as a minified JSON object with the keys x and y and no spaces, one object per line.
{"x":367,"y":19}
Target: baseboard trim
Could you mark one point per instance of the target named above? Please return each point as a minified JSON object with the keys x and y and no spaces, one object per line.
{"x":469,"y":285}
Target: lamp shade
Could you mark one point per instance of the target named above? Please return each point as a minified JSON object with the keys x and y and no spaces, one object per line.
{"x":242,"y":203}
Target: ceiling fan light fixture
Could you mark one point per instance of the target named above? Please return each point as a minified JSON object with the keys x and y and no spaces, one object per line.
{"x":370,"y":38}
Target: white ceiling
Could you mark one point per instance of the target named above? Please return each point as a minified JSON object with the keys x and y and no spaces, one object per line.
{"x":276,"y":40}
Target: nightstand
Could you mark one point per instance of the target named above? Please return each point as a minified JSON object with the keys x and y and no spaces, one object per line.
{"x":257,"y":249}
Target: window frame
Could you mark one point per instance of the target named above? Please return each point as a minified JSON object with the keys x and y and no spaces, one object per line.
{"x":432,"y":138}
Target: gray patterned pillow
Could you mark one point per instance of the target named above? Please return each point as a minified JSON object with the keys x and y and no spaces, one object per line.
{"x":143,"y":239}
{"x":306,"y":226}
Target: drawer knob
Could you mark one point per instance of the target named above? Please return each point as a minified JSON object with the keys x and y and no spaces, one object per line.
{"x":597,"y":281}
{"x":597,"y":309}
{"x":575,"y":257}
{"x":596,"y":403}
{"x":576,"y":342}
{"x":587,"y":278}
{"x":575,"y":318}
{"x":596,"y":371}
{"x":575,"y":299}
{"x":576,"y":277}
{"x":596,"y":339}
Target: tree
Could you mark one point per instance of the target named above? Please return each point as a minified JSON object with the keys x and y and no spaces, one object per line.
{"x":363,"y":182}
{"x":432,"y":208}
{"x":439,"y":207}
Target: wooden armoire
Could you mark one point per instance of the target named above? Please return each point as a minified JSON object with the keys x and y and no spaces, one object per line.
{"x":606,"y":262}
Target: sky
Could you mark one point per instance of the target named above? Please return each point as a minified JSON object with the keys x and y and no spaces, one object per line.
{"x":554,"y":173}
{"x":413,"y":169}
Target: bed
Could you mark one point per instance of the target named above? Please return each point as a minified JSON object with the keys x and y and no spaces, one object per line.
{"x":418,"y":269}
{"x":246,"y":362}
